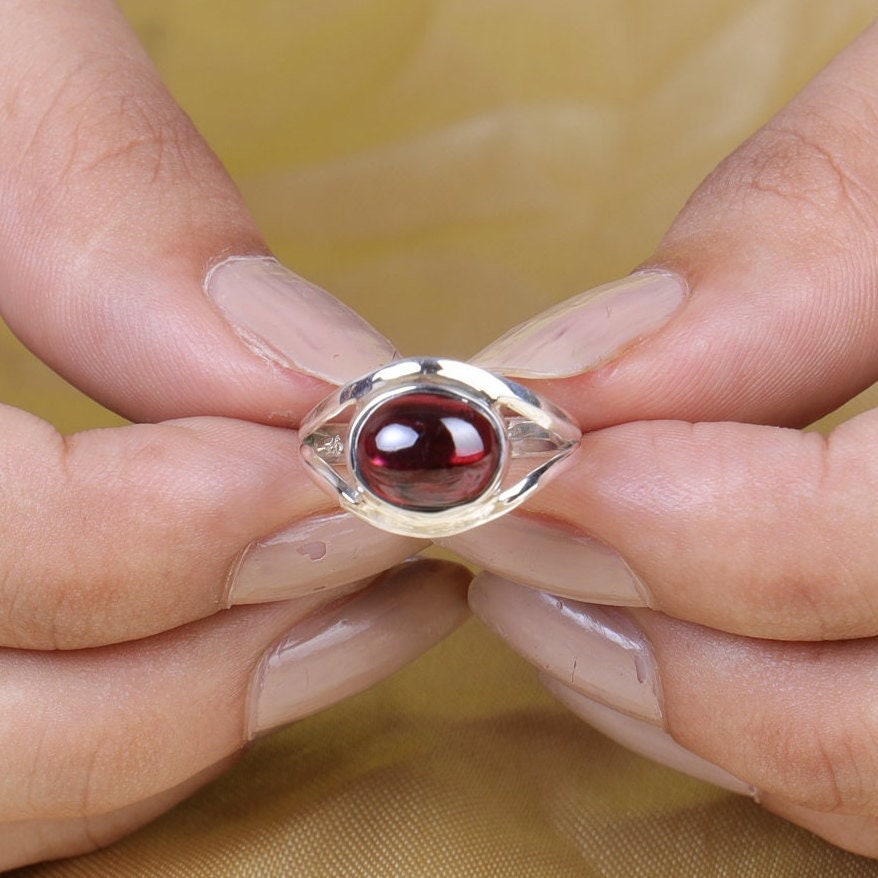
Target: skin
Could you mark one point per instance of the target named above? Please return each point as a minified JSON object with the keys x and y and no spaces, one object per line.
{"x":99,"y":232}
{"x":754,"y":541}
{"x":112,"y":647}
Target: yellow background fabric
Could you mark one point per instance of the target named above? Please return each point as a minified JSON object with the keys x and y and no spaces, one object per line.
{"x":448,"y":169}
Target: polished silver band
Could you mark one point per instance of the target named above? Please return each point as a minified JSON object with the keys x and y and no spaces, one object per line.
{"x":432,"y":447}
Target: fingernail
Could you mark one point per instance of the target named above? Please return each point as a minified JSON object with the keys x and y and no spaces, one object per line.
{"x":599,"y":651}
{"x":285,"y":319}
{"x":589,"y":330}
{"x":354,"y":643}
{"x":312,"y":555}
{"x":645,"y":738}
{"x":550,"y":554}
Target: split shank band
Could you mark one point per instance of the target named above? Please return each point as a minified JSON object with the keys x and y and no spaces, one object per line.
{"x":431,"y":447}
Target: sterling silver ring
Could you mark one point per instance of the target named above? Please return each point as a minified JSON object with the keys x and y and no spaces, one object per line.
{"x":431,"y":447}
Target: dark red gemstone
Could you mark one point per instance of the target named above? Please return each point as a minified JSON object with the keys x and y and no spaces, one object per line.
{"x":427,"y":451}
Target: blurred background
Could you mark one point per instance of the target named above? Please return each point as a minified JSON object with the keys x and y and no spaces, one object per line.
{"x":449,"y":168}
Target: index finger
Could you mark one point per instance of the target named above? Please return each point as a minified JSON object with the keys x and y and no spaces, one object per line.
{"x":764,"y":305}
{"x":122,"y":237}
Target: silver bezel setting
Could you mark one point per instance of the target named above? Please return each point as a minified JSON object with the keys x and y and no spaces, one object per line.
{"x":534,"y":436}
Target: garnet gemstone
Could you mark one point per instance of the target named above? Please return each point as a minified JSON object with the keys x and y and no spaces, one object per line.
{"x":427,"y":451}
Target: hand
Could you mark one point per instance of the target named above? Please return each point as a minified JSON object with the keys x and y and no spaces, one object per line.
{"x":744,"y":548}
{"x":119,"y":546}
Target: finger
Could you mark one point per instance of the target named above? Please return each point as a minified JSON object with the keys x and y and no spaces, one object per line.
{"x":92,"y":731}
{"x":778,"y":252}
{"x":112,"y":211}
{"x":802,"y":728}
{"x":855,"y":833}
{"x":35,"y":841}
{"x":643,"y":737}
{"x":802,"y":731}
{"x":761,"y":531}
{"x":113,"y":535}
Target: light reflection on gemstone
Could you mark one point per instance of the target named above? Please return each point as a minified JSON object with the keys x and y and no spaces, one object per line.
{"x":427,"y":451}
{"x":469,"y":446}
{"x":394,"y":438}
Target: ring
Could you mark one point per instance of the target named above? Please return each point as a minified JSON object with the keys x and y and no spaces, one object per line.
{"x":432,"y":447}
